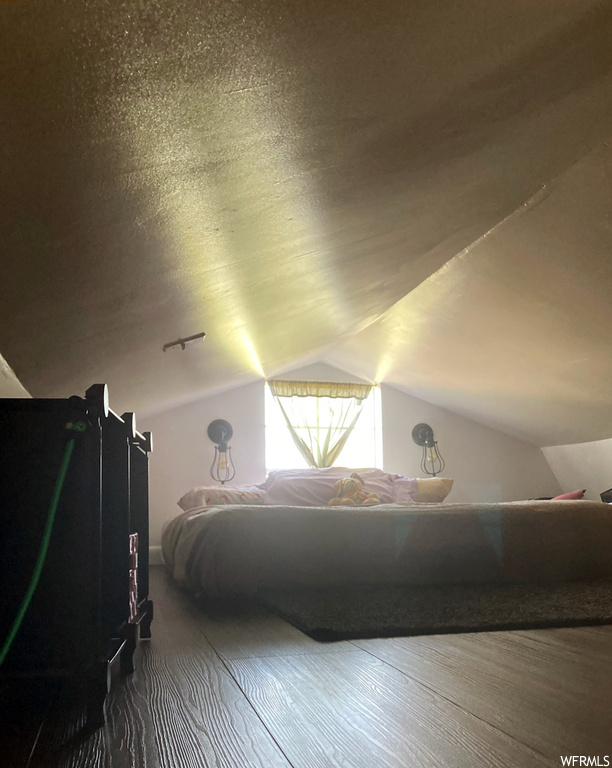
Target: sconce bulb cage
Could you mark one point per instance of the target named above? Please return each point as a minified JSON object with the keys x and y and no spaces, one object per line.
{"x":432,"y":462}
{"x":222,"y":469}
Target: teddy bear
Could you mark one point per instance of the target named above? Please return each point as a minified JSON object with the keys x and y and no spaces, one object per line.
{"x":349,"y":492}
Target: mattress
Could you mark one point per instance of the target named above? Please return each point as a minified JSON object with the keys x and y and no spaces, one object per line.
{"x":237,"y":549}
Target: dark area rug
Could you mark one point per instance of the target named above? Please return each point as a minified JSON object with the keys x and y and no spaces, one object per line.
{"x":342,"y":613}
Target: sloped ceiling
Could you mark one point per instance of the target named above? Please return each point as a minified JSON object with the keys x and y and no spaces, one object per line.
{"x":284,"y":175}
{"x":517,"y":330}
{"x":10,"y":386}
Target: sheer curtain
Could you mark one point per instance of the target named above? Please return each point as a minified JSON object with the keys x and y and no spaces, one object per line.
{"x":320,"y":415}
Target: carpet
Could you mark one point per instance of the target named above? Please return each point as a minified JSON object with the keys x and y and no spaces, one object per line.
{"x":342,"y":613}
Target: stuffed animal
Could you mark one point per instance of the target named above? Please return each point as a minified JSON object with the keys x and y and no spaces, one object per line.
{"x":349,"y":492}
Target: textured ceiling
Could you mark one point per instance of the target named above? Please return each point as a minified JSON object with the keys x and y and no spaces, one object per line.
{"x":282,"y":176}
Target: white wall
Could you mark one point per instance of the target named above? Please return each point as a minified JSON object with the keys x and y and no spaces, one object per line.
{"x":10,"y":386}
{"x":320,"y":372}
{"x":582,"y":465}
{"x":486,"y":465}
{"x":182,"y":453}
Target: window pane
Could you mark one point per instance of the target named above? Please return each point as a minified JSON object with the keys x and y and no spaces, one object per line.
{"x":359,"y":451}
{"x":281,"y":452}
{"x":308,"y":406}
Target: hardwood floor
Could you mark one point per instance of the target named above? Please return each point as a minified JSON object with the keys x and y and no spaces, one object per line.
{"x":250,"y":690}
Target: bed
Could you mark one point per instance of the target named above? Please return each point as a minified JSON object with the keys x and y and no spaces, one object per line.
{"x":238,"y":548}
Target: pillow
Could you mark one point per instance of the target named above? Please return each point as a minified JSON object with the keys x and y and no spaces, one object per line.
{"x":308,"y":472}
{"x":213,"y":496}
{"x":405,"y":490}
{"x":314,"y":487}
{"x":433,"y":490}
{"x":570,"y":495}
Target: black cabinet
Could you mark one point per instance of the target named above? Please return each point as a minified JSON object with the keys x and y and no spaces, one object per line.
{"x":91,"y":603}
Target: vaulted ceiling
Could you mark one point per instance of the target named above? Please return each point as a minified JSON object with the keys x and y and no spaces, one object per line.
{"x":418,"y":192}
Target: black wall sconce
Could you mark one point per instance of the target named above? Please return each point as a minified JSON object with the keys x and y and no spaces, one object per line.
{"x":432,"y":462}
{"x":222,"y":469}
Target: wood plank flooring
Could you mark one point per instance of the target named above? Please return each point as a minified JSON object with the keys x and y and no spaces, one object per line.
{"x":555,"y":699}
{"x":249,"y":690}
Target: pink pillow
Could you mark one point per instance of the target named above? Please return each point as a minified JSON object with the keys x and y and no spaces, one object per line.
{"x":421,"y":490}
{"x":313,"y":487}
{"x":405,"y":490}
{"x":308,"y":472}
{"x":215,"y":495}
{"x":570,"y":495}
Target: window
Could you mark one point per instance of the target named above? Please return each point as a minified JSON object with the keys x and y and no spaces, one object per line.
{"x":363,"y":448}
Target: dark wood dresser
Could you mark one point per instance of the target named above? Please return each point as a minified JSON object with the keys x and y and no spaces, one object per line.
{"x":91,"y":604}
